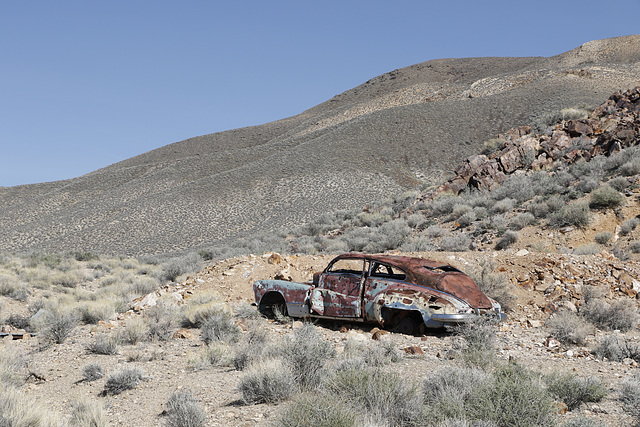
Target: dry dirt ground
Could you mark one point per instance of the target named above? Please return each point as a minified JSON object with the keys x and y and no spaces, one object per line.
{"x":539,"y":280}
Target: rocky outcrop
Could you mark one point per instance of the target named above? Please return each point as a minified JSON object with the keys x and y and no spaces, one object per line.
{"x":612,"y":126}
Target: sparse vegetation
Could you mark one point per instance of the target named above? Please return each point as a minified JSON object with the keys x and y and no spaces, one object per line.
{"x":568,"y":328}
{"x":267,"y":381}
{"x":574,"y":391}
{"x":183,"y":410}
{"x":123,"y":380}
{"x":88,"y":413}
{"x":92,"y":372}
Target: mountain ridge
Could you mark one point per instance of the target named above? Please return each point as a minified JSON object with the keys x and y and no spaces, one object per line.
{"x":396,"y":131}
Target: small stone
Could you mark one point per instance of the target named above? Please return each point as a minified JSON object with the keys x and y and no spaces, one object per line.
{"x":414,"y":349}
{"x":184,"y":334}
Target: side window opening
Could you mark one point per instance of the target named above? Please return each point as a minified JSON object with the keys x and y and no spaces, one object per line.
{"x":347,"y":266}
{"x":387,"y":271}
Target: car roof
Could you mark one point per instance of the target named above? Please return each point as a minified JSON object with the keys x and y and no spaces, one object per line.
{"x":405,"y":263}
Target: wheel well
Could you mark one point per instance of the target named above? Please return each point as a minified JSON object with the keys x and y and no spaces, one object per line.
{"x":393,"y":316}
{"x":271,"y":299}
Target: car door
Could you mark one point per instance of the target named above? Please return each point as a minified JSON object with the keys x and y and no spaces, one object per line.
{"x":338,"y":293}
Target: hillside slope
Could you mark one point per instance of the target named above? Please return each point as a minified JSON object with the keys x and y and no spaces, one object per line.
{"x":397,"y":130}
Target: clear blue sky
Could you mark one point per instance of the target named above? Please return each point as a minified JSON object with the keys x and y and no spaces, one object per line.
{"x":84,"y":84}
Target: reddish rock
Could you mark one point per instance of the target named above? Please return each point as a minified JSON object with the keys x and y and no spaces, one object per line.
{"x":414,"y":349}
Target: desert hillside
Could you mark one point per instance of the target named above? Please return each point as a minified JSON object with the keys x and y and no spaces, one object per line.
{"x":402,"y":130}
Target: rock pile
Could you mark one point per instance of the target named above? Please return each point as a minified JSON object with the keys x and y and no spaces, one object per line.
{"x":610,"y":127}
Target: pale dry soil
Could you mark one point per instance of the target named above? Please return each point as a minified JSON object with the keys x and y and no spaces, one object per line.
{"x":522,"y":338}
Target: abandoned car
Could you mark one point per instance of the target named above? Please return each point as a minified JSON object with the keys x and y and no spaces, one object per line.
{"x":401,"y":293}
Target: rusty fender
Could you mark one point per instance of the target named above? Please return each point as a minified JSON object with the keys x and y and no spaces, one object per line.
{"x":295,"y":294}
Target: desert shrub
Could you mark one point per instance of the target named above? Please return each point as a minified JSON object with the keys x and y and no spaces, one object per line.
{"x":384,"y":396}
{"x":603,"y":237}
{"x":12,"y":288}
{"x":574,"y":391}
{"x":618,"y":183}
{"x":467,"y":219}
{"x":605,"y":197}
{"x":620,"y":253}
{"x":507,"y":239}
{"x":307,"y":353}
{"x":374,"y":353}
{"x":480,"y":337}
{"x":494,"y":285}
{"x":629,"y":225}
{"x":322,"y":410}
{"x":539,"y":209}
{"x":568,"y":328}
{"x":123,"y":380}
{"x":447,"y":392}
{"x":630,"y":397}
{"x":18,"y":409}
{"x":69,"y":279}
{"x":587,"y":184}
{"x":55,"y":326}
{"x":213,"y":354}
{"x":220,"y":327}
{"x":92,"y":312}
{"x":161,"y":320}
{"x":634,"y":247}
{"x":144,"y":285}
{"x":244,"y":310}
{"x":514,"y":397}
{"x":443,"y":205}
{"x":433,"y":231}
{"x":589,"y":249}
{"x":582,"y":421}
{"x":176,"y":267}
{"x":251,"y":347}
{"x":457,"y":243}
{"x":617,"y":347}
{"x":574,"y":214}
{"x":11,"y":365}
{"x":504,"y":205}
{"x":134,"y":331}
{"x":267,"y":381}
{"x":86,"y":412}
{"x":492,"y":146}
{"x":621,"y":314}
{"x":416,"y":220}
{"x":371,"y":219}
{"x":418,"y":243}
{"x":389,"y":235}
{"x":521,"y":221}
{"x":92,"y":372}
{"x":183,"y":410}
{"x":104,"y":344}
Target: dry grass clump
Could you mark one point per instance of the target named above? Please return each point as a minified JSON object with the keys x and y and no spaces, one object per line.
{"x":92,"y":372}
{"x":123,"y":380}
{"x":369,"y":353}
{"x":311,"y":409}
{"x":55,"y":326}
{"x":603,"y":237}
{"x":494,"y":285}
{"x":161,"y":320}
{"x":569,"y":328}
{"x":92,"y":312}
{"x":620,"y":314}
{"x":630,"y":397}
{"x":104,"y":344}
{"x":574,"y":391}
{"x":183,"y":410}
{"x":87,"y":412}
{"x":17,"y":409}
{"x":606,"y":197}
{"x":617,"y":347}
{"x":134,"y":331}
{"x":212,"y":354}
{"x":267,"y":381}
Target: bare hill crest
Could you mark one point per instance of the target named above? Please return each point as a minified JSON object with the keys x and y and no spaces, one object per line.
{"x":396,"y":131}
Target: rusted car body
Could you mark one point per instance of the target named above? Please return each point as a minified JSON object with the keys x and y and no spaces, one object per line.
{"x":406,"y":294}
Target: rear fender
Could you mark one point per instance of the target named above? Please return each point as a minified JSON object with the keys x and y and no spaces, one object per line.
{"x":425,"y":304}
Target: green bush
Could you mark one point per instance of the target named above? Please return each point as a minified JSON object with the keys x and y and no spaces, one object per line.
{"x":574,"y":391}
{"x":606,"y":197}
{"x":183,"y":410}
